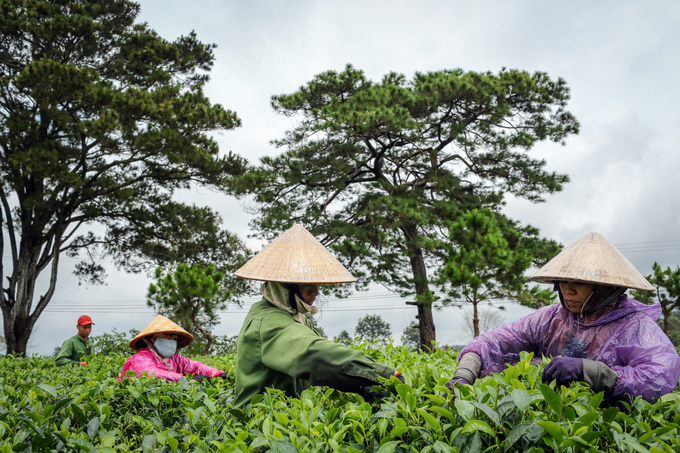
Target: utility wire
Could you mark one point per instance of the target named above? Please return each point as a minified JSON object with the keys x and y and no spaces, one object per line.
{"x":630,"y":247}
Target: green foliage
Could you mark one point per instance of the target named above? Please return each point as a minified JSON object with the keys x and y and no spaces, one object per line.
{"x":221,"y":345}
{"x":46,"y":408}
{"x":190,"y":296}
{"x":667,"y":293}
{"x":379,"y":170}
{"x":114,"y":343}
{"x":373,"y":329}
{"x":410,"y":338}
{"x":102,"y":121}
{"x":343,"y":338}
{"x":486,"y":261}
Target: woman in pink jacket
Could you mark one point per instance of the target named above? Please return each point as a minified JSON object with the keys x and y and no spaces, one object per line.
{"x":156,"y":354}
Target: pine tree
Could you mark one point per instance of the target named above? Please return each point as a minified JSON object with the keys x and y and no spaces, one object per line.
{"x":102,"y":120}
{"x":379,"y":170}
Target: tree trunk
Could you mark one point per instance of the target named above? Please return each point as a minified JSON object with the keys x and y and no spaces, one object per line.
{"x":475,"y":319}
{"x":666,"y":314}
{"x":205,"y":334}
{"x":17,"y":332}
{"x":17,"y":298}
{"x":426,"y":325}
{"x":424,"y":297}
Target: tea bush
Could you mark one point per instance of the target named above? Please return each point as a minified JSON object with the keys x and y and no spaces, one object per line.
{"x":44,"y":408}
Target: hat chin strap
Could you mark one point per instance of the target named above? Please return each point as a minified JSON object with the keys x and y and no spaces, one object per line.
{"x":614,"y":295}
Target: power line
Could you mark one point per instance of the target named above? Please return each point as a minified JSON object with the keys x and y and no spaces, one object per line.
{"x":323,"y":310}
{"x":146,"y":309}
{"x":251,"y":299}
{"x":673,"y":244}
{"x":653,"y":242}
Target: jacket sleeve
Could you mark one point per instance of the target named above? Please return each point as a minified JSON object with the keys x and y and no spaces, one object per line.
{"x":185,"y":365}
{"x":652,"y":364}
{"x":64,"y":356}
{"x":502,"y":345}
{"x":294,"y":349}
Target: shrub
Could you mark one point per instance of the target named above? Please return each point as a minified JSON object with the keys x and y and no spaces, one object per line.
{"x":47,"y":408}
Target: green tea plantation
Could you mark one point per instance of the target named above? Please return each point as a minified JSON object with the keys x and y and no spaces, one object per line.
{"x":48,"y":409}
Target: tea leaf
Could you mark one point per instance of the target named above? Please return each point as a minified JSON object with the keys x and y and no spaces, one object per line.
{"x":555,"y":430}
{"x":49,"y":389}
{"x":489,"y":413}
{"x":552,"y":398}
{"x":521,"y":399}
{"x":477,"y":425}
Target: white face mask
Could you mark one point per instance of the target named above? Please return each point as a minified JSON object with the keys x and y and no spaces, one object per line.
{"x":166,"y":347}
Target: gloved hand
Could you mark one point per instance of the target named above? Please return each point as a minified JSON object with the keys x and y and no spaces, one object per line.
{"x":201,"y":378}
{"x":400,"y":376}
{"x":223,"y":375}
{"x":455,"y":382}
{"x":369,"y":395}
{"x":564,"y":370}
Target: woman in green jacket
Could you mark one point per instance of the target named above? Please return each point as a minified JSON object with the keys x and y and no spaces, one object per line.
{"x":277,"y":347}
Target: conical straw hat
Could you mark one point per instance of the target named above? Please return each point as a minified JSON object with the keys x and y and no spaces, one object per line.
{"x":592,"y":259}
{"x":295,"y":257}
{"x":161,"y":324}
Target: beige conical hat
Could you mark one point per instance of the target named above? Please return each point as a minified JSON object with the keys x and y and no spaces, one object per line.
{"x":295,"y":257}
{"x":592,"y":259}
{"x":161,"y":324}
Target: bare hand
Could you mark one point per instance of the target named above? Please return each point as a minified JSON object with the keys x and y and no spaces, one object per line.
{"x":107,"y":358}
{"x":83,"y":363}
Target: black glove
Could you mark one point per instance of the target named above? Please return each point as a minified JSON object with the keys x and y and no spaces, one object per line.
{"x":369,"y":395}
{"x":223,"y":375}
{"x":201,"y":378}
{"x":400,"y":376}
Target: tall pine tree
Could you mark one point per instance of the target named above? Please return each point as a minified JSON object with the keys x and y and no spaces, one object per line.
{"x":102,"y":120}
{"x":379,"y":170}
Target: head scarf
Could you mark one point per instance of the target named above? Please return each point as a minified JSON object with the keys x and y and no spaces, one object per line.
{"x":279,"y":295}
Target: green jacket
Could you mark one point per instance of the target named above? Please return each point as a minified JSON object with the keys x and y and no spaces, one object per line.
{"x":72,"y":350}
{"x":274,"y":350}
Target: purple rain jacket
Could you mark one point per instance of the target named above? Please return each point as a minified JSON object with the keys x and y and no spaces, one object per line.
{"x":627,"y":339}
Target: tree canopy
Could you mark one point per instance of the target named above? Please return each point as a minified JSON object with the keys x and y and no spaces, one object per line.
{"x":667,"y":291}
{"x":485,"y":262}
{"x":343,"y":338}
{"x":410,"y":337}
{"x":373,"y":328}
{"x":379,"y":170}
{"x":190,"y":296}
{"x":102,"y":121}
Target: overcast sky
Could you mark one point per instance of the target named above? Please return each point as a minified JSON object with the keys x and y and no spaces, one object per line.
{"x":621,"y":60}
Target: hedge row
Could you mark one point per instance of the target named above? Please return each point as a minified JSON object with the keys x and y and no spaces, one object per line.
{"x":45,"y":408}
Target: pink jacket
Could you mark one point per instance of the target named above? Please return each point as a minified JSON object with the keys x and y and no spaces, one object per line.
{"x":146,"y":361}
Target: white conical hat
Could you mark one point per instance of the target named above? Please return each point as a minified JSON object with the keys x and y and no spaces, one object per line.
{"x":295,"y":257}
{"x":161,"y":324}
{"x":592,"y":259}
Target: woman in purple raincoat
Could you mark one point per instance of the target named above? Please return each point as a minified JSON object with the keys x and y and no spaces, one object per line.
{"x":597,"y":334}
